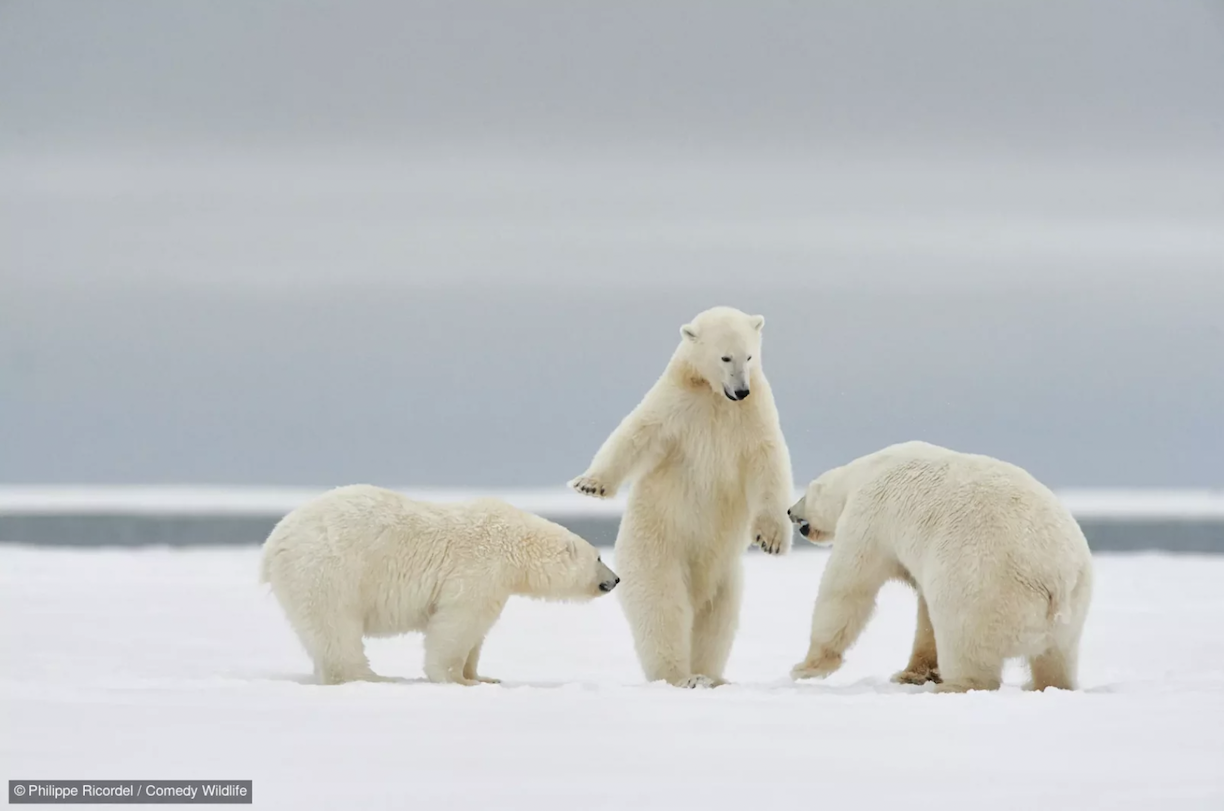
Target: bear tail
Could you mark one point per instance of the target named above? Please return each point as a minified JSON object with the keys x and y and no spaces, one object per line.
{"x":1054,"y":614}
{"x":1061,"y":595}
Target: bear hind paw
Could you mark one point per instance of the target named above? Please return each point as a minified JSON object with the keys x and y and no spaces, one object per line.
{"x":697,"y":682}
{"x":920,"y":675}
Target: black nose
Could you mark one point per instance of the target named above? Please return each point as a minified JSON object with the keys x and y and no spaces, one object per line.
{"x":741,"y":394}
{"x":788,"y":514}
{"x":617,"y":581}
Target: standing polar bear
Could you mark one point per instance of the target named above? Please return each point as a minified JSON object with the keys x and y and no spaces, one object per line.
{"x":362,"y":561}
{"x":711,"y":475}
{"x":1001,"y":567}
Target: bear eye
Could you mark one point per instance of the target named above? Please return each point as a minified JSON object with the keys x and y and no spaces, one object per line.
{"x":750,"y":357}
{"x":726,"y":358}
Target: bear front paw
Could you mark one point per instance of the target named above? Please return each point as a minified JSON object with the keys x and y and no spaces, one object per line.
{"x":592,"y":486}
{"x":817,"y":667}
{"x":772,"y":534}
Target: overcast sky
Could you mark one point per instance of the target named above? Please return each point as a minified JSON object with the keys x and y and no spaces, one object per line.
{"x":452,"y":244}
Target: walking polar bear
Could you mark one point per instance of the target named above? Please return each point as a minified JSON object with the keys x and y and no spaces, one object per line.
{"x":711,"y":475}
{"x":1001,"y":567}
{"x":361,"y":561}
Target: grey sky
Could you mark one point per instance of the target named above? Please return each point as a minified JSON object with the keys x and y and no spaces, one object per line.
{"x":949,"y":75}
{"x":451,"y":244}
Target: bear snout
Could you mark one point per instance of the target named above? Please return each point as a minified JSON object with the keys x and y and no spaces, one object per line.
{"x":737,"y":394}
{"x":608,"y":585}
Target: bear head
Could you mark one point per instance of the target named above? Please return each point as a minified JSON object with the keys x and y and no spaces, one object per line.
{"x":815,"y":515}
{"x":566,"y":567}
{"x":722,"y":346}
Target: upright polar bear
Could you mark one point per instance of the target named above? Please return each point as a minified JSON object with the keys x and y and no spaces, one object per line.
{"x":1001,"y":567}
{"x":711,"y":475}
{"x":362,"y":561}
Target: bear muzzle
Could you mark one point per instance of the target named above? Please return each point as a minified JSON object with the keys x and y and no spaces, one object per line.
{"x":608,"y":585}
{"x":737,"y":395}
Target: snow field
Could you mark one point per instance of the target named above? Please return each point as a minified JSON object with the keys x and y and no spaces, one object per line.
{"x":176,"y":664}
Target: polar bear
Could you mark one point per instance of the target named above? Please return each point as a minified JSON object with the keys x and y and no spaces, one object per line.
{"x":362,"y":561}
{"x":711,"y":476}
{"x":1001,"y":568}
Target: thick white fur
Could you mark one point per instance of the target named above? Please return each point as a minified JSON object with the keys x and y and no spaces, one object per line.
{"x":1001,"y":567}
{"x":711,"y":475}
{"x":361,"y":561}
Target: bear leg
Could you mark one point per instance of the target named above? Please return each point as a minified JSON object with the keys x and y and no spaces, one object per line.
{"x":924,"y":661}
{"x":473,"y":661}
{"x":844,"y":603}
{"x":451,"y":635}
{"x":1057,"y":667}
{"x":337,"y":650}
{"x":968,"y":667}
{"x":1051,"y":669}
{"x":660,"y":616}
{"x":714,"y":627}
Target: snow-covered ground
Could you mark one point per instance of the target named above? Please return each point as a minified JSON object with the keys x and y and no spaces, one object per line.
{"x":159,"y":664}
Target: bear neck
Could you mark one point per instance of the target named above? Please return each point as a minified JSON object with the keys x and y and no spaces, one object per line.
{"x":531,"y":576}
{"x":531,"y":581}
{"x":684,"y":375}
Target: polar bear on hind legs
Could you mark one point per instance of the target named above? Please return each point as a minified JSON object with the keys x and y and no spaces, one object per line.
{"x":1001,"y":568}
{"x":711,"y":476}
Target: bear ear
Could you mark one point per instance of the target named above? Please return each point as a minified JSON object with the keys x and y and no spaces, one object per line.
{"x":688,"y":332}
{"x":758,"y":321}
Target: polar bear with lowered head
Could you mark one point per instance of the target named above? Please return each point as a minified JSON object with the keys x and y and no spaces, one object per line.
{"x":1001,"y":567}
{"x":361,"y":561}
{"x":711,"y":475}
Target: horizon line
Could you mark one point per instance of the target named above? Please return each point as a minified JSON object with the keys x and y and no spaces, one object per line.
{"x":1130,"y":502}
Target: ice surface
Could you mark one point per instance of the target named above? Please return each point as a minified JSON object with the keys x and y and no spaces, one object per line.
{"x":555,"y":502}
{"x":159,"y":664}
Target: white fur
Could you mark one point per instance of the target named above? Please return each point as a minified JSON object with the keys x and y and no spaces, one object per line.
{"x":711,"y":475}
{"x":361,"y":561}
{"x":1001,"y":567}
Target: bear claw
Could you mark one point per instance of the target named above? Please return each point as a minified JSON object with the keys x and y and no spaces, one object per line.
{"x":768,"y":549}
{"x":590,"y":486}
{"x":697,"y":681}
{"x":770,"y":536}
